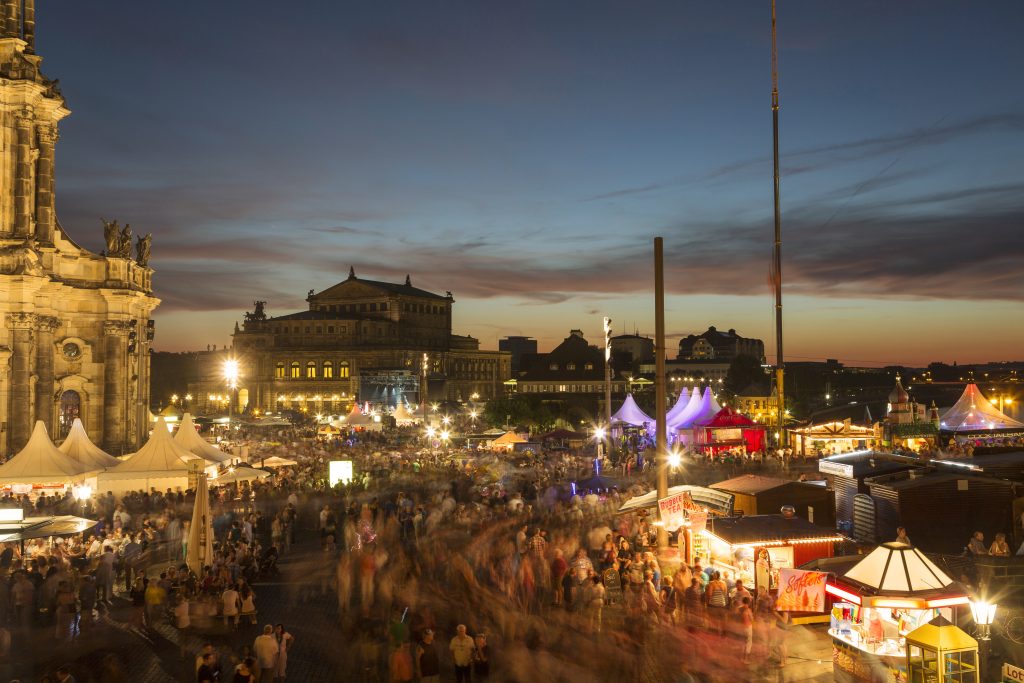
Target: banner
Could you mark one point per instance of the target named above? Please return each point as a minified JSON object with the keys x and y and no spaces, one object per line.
{"x":698,"y":521}
{"x":672,"y":510}
{"x":801,"y":591}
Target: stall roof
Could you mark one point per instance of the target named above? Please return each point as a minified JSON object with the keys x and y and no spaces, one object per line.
{"x":903,"y":480}
{"x":718,"y":502}
{"x":752,"y":529}
{"x":40,"y":462}
{"x":751,"y":484}
{"x":866,"y":463}
{"x":43,"y":527}
{"x":897,"y":569}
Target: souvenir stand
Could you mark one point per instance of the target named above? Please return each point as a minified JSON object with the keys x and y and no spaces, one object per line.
{"x":894,"y":590}
{"x":755,"y":547}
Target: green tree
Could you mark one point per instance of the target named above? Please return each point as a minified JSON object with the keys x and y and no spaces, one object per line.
{"x":743,"y":371}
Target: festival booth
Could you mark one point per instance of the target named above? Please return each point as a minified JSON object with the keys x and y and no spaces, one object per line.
{"x":684,"y":511}
{"x":848,"y":474}
{"x":160,"y":464}
{"x":974,"y":419}
{"x":79,"y":447}
{"x":40,"y":466}
{"x":327,"y":432}
{"x":507,"y":442}
{"x":234,"y":475}
{"x":759,"y":495}
{"x":630,"y":415}
{"x":359,"y":421}
{"x":828,"y":438}
{"x":277,"y":461}
{"x":404,"y":417}
{"x":690,"y":424}
{"x":677,"y":419}
{"x":754,"y":548}
{"x":16,"y":528}
{"x":682,"y":402}
{"x":728,"y":430}
{"x":187,"y":437}
{"x":880,"y":605}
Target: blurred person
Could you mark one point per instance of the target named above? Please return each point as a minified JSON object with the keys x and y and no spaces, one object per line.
{"x":461,"y":647}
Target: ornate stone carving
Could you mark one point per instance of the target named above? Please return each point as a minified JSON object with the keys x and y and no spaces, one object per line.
{"x":111,"y":235}
{"x":21,"y":320}
{"x":47,"y":323}
{"x":47,"y":134}
{"x":117,"y":327}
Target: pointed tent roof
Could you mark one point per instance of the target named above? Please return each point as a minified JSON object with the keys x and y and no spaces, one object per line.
{"x":685,"y":415}
{"x":630,"y":413}
{"x":159,"y":455}
{"x":40,"y":462}
{"x":973,"y":412}
{"x":355,"y":410}
{"x":705,"y":412}
{"x":508,"y":438}
{"x":404,"y":416}
{"x":681,"y":403}
{"x":79,"y":447}
{"x":727,"y":417}
{"x":188,"y":438}
{"x":898,"y":569}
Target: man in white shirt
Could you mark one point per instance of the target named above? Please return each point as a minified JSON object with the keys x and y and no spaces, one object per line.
{"x":265,"y":649}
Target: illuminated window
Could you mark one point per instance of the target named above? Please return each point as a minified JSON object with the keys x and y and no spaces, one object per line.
{"x":588,"y":366}
{"x":553,"y":366}
{"x":311,"y":370}
{"x":343,"y":369}
{"x":570,"y":366}
{"x":328,"y":369}
{"x":296,"y":371}
{"x":279,"y":370}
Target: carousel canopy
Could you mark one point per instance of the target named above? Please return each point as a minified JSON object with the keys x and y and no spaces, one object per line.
{"x":898,"y":569}
{"x":973,"y":412}
{"x":40,"y":462}
{"x":160,"y":456}
{"x":79,"y":447}
{"x":630,"y":413}
{"x":188,"y":438}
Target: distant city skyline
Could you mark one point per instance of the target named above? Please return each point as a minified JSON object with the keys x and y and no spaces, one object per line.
{"x":524,"y":157}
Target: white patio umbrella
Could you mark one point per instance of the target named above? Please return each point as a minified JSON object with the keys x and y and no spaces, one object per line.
{"x":200,"y":535}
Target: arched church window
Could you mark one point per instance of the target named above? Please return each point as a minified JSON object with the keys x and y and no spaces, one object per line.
{"x":279,"y":370}
{"x":343,"y":369}
{"x":70,"y":408}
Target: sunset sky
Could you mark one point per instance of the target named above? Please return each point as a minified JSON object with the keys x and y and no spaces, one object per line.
{"x":524,"y":154}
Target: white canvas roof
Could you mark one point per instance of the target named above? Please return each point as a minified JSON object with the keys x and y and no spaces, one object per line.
{"x":898,"y":568}
{"x":705,"y":412}
{"x":40,"y":462}
{"x":681,"y":404}
{"x":159,"y":457}
{"x":79,"y":447}
{"x":630,"y":413}
{"x":188,"y":438}
{"x":973,"y":412}
{"x":683,"y":418}
{"x":403,"y":416}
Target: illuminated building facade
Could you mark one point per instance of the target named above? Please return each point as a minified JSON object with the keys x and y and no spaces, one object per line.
{"x":75,"y":327}
{"x":359,"y":340}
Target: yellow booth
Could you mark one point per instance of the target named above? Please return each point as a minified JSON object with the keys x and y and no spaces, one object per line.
{"x":939,"y":652}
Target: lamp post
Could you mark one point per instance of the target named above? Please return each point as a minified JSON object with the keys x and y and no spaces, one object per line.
{"x":599,"y":434}
{"x":231,"y":377}
{"x":984,"y":614}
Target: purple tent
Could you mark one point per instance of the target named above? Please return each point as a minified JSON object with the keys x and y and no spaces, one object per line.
{"x":679,"y":407}
{"x":708,"y":409}
{"x":684,"y":418}
{"x":630,"y":413}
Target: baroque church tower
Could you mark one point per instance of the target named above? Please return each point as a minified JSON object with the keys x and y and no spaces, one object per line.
{"x":75,"y":327}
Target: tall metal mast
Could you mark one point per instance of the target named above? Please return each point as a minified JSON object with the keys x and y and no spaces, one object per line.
{"x":777,"y":255}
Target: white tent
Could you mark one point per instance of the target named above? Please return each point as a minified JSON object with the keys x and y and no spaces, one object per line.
{"x":40,"y":462}
{"x":630,"y":413}
{"x":685,"y":416}
{"x":973,"y":412}
{"x":188,"y":438}
{"x":160,"y":463}
{"x":681,"y":403}
{"x":277,"y":461}
{"x":199,"y":548}
{"x":237,"y":474}
{"x":79,"y":447}
{"x":404,"y":417}
{"x":898,"y":568}
{"x":706,"y":412}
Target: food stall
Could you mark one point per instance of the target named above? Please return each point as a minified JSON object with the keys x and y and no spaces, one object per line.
{"x":693,"y":506}
{"x":755,"y":547}
{"x":893,"y":591}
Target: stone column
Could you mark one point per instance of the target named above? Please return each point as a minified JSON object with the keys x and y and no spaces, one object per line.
{"x":44,"y":185}
{"x":30,"y":26}
{"x":115,"y":333}
{"x":11,"y":28}
{"x":45,"y":327}
{"x":20,"y":425}
{"x":22,"y":175}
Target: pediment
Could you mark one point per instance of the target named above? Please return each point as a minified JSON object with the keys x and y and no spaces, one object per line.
{"x":350,"y":289}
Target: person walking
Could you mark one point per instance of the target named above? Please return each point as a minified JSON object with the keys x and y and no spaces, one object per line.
{"x":461,"y":647}
{"x":481,"y":657}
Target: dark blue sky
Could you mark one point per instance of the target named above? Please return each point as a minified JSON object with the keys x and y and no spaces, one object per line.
{"x":524,"y":154}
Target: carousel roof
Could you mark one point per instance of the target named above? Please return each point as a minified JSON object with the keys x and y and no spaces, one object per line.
{"x":898,"y":569}
{"x":40,"y":462}
{"x":78,"y":446}
{"x":973,"y":412}
{"x":630,"y":413}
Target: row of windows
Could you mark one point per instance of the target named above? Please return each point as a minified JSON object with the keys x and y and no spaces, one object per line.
{"x":313,"y":370}
{"x":571,"y":366}
{"x":353,"y":308}
{"x":572,"y":388}
{"x":422,"y":308}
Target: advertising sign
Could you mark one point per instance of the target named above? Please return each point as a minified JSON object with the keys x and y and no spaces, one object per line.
{"x":672,"y":511}
{"x":698,"y":521}
{"x":829,"y":467}
{"x":801,"y":591}
{"x":339,"y":470}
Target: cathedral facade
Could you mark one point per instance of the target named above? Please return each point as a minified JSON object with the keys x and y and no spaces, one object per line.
{"x":76,"y":327}
{"x":360,"y":340}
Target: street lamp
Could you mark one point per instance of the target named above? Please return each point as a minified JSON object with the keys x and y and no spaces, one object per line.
{"x":82,"y":494}
{"x":984,"y":614}
{"x":599,"y":434}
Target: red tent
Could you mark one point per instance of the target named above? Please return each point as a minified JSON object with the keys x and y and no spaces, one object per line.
{"x":729,"y":429}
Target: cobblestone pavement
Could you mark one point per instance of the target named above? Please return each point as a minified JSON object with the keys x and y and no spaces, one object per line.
{"x":117,"y":648}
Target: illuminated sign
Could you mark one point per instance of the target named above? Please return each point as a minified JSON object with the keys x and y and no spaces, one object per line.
{"x":340,"y":470}
{"x":11,"y":514}
{"x":829,"y":467}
